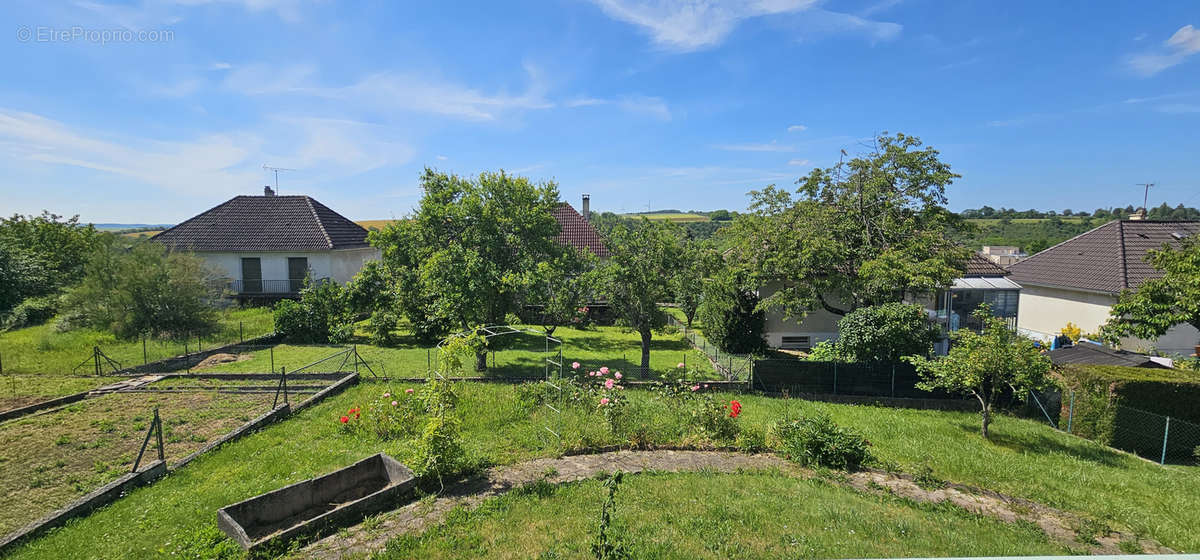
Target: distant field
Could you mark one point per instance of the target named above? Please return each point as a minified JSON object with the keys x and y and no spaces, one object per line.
{"x":137,"y":234}
{"x":377,"y":224}
{"x":670,"y":216}
{"x":993,"y":221}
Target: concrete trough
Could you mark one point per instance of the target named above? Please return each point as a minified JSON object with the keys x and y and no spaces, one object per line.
{"x":337,"y":499}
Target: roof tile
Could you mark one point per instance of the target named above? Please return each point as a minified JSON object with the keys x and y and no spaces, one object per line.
{"x":266,"y":223}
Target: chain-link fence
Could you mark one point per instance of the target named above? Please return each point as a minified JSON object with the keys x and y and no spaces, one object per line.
{"x":734,"y":367}
{"x":836,"y":378}
{"x":1160,"y":438}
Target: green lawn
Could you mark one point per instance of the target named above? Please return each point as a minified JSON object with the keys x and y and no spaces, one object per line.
{"x":43,"y":350}
{"x":1025,"y":458}
{"x":522,"y":355}
{"x":699,"y":515}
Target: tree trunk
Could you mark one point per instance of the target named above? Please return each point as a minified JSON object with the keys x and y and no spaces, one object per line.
{"x":987,"y":420}
{"x":481,"y":361}
{"x":645,"y":351}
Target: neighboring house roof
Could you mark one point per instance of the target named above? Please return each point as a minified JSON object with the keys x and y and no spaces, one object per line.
{"x":1107,"y":259}
{"x":980,"y":266}
{"x":1095,"y":354}
{"x":577,"y":232}
{"x":266,"y":223}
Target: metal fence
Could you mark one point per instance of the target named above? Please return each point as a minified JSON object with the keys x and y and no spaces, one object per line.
{"x":735,"y":367}
{"x":836,"y":378}
{"x":1154,"y":436}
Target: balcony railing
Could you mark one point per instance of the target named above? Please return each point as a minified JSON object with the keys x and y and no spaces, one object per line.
{"x":270,"y":287}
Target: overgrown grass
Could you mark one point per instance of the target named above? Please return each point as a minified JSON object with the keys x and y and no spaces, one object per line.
{"x":47,"y":460}
{"x":43,"y":350}
{"x":1024,"y":458}
{"x":522,"y":355}
{"x":699,"y":515}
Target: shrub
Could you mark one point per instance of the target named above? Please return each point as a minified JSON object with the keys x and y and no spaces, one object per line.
{"x":392,"y":415}
{"x":32,"y":311}
{"x":818,"y":441}
{"x":438,"y":451}
{"x":730,"y":318}
{"x":885,"y":333}
{"x":715,"y":419}
{"x":824,"y":351}
{"x":320,"y":316}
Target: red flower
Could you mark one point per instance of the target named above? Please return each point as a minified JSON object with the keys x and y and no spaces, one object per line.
{"x":735,"y":408}
{"x":356,"y":415}
{"x":345,"y":419}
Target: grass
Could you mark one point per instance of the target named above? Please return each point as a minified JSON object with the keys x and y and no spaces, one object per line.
{"x":678,"y":217}
{"x":377,"y":224}
{"x":1024,"y":458}
{"x":22,"y":390}
{"x":698,"y":515}
{"x":520,"y":355}
{"x":43,"y":350}
{"x":47,"y":460}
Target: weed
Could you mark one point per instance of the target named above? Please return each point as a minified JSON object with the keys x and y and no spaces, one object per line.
{"x":1130,"y":546}
{"x":924,"y":477}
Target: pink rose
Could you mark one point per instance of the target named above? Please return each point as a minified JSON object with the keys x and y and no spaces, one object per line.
{"x":409,"y":391}
{"x":695,"y":387}
{"x":603,"y":401}
{"x":574,"y":365}
{"x":394,"y":403}
{"x":604,"y":370}
{"x":608,"y":384}
{"x":386,"y":395}
{"x":617,"y":375}
{"x":681,"y":365}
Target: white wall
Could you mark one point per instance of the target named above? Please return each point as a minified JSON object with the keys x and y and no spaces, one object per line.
{"x":1045,"y":311}
{"x":340,"y":265}
{"x":818,"y":325}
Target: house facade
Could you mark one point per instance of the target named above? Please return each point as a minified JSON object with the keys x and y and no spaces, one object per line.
{"x":267,"y":245}
{"x":1078,"y":281}
{"x":982,"y":282}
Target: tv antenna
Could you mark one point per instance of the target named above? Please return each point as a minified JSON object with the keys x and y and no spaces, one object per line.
{"x":1146,"y":197}
{"x":276,"y":170}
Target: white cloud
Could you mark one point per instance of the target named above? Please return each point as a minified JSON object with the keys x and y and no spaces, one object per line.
{"x":220,"y":66}
{"x":654,"y":107}
{"x":585,"y":102}
{"x":1176,"y":49}
{"x":797,"y":128}
{"x":689,"y":25}
{"x":442,"y":158}
{"x":818,"y":23}
{"x":769,"y":147}
{"x":1178,"y":108}
{"x":798,"y":162}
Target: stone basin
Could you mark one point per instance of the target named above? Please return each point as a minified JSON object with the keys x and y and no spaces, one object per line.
{"x":309,"y":507}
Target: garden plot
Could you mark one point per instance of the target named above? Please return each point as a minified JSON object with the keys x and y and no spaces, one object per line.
{"x":50,"y":458}
{"x":17,"y":391}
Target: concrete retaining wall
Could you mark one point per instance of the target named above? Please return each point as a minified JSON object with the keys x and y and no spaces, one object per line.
{"x":85,"y":505}
{"x":334,"y":389}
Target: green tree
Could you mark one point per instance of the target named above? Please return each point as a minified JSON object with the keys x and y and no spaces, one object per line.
{"x":146,"y":289}
{"x":560,"y":287}
{"x":637,"y":277}
{"x":731,"y":316}
{"x":1160,"y":303}
{"x":866,"y":231}
{"x":41,"y":255}
{"x":321,"y":315}
{"x":985,"y":364}
{"x":885,"y":333}
{"x":696,"y":262}
{"x":470,"y":251}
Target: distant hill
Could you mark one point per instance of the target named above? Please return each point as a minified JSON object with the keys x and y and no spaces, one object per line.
{"x":131,"y":227}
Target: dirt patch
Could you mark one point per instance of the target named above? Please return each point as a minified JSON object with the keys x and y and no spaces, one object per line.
{"x":218,"y":359}
{"x":10,"y":403}
{"x":1067,"y":529}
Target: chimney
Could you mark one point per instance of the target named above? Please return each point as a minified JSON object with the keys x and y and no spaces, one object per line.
{"x":587,"y":207}
{"x":267,"y":191}
{"x":1139,"y":215}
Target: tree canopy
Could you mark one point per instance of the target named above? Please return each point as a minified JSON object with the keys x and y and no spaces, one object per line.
{"x":1160,"y":303}
{"x":41,"y":255}
{"x":866,"y":231}
{"x":885,"y":333}
{"x":637,"y":277}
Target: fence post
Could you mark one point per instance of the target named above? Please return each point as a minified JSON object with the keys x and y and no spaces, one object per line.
{"x":272,"y":359}
{"x":241,"y":333}
{"x":1071,"y":412}
{"x":835,"y":377}
{"x":158,"y":421}
{"x":187,"y":356}
{"x":145,"y":356}
{"x":1166,"y":431}
{"x":893,"y":381}
{"x":96,"y":358}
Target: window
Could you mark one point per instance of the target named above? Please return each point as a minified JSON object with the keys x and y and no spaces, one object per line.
{"x":297,"y":272}
{"x":252,"y":275}
{"x":796,"y":342}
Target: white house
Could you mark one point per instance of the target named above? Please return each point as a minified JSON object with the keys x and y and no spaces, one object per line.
{"x":1078,"y":280}
{"x":268,"y":244}
{"x":982,"y":282}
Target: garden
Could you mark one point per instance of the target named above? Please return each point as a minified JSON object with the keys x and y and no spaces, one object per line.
{"x":446,"y":431}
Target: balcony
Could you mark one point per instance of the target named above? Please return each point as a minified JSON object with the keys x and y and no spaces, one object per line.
{"x":282,"y":288}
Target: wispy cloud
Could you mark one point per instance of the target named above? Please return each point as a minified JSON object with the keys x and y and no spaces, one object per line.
{"x":688,"y":25}
{"x":1174,"y":51}
{"x":798,"y":162}
{"x":1178,"y":108}
{"x":797,"y":128}
{"x":655,"y":107}
{"x":818,"y":23}
{"x":150,"y":13}
{"x":1163,"y":97}
{"x":960,"y":64}
{"x":768,"y":147}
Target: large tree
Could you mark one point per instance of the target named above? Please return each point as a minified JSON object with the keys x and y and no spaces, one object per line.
{"x":561,"y":286}
{"x":1160,"y":303}
{"x":866,"y":231}
{"x":636,"y":278}
{"x":885,"y":333}
{"x":986,"y":364}
{"x":470,"y":251}
{"x":41,"y":255}
{"x":697,"y":261}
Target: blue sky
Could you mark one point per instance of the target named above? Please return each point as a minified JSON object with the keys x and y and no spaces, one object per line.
{"x":671,"y":104}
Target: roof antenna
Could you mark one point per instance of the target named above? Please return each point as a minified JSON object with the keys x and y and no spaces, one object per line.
{"x":276,"y":170}
{"x":1146,"y":196}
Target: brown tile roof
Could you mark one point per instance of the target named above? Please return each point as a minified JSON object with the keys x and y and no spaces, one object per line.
{"x":980,"y":266}
{"x":1107,"y":259}
{"x":577,"y":232}
{"x":266,"y":223}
